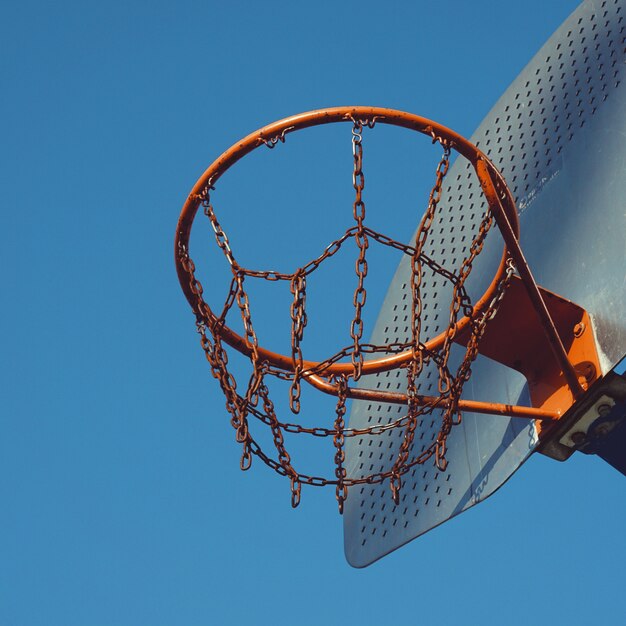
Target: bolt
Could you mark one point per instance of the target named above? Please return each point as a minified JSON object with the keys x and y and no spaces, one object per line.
{"x":579,"y":329}
{"x":590,"y":372}
{"x":604,"y":409}
{"x":603,"y":429}
{"x":578,"y":437}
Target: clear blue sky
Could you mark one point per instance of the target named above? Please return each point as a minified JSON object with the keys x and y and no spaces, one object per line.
{"x":121,"y":500}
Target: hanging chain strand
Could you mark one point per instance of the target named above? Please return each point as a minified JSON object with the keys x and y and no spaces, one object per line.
{"x":279,"y":442}
{"x":298,"y":322}
{"x":360,"y":236}
{"x":218,"y":359}
{"x":452,"y":386}
{"x":416,"y":365}
{"x":254,"y":402}
{"x":341,"y":491}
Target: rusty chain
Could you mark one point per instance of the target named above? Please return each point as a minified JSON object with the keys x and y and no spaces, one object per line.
{"x":417,"y":363}
{"x":298,"y":322}
{"x":360,"y":236}
{"x":243,"y":405}
{"x":341,"y":490}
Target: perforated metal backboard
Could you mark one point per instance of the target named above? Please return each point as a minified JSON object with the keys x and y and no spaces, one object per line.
{"x":557,"y":135}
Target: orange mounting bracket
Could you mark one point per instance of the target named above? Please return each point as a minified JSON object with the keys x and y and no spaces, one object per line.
{"x":515,"y":338}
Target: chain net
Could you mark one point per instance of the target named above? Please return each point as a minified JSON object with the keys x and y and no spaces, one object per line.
{"x":252,"y":400}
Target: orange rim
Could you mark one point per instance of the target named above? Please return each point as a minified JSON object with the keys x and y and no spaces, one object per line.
{"x":277,"y":131}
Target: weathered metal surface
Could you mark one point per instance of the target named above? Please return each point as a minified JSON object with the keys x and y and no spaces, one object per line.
{"x":557,"y":136}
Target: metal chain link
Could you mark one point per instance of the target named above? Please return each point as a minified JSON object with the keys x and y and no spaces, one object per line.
{"x":283,"y":456}
{"x":452,"y":386}
{"x":298,"y":322}
{"x":360,"y":236}
{"x":341,"y":491}
{"x":417,"y":363}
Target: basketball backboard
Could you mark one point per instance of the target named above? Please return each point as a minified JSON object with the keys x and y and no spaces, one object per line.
{"x":557,"y":137}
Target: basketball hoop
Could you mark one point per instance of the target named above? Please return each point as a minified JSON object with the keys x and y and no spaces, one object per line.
{"x":468,"y":321}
